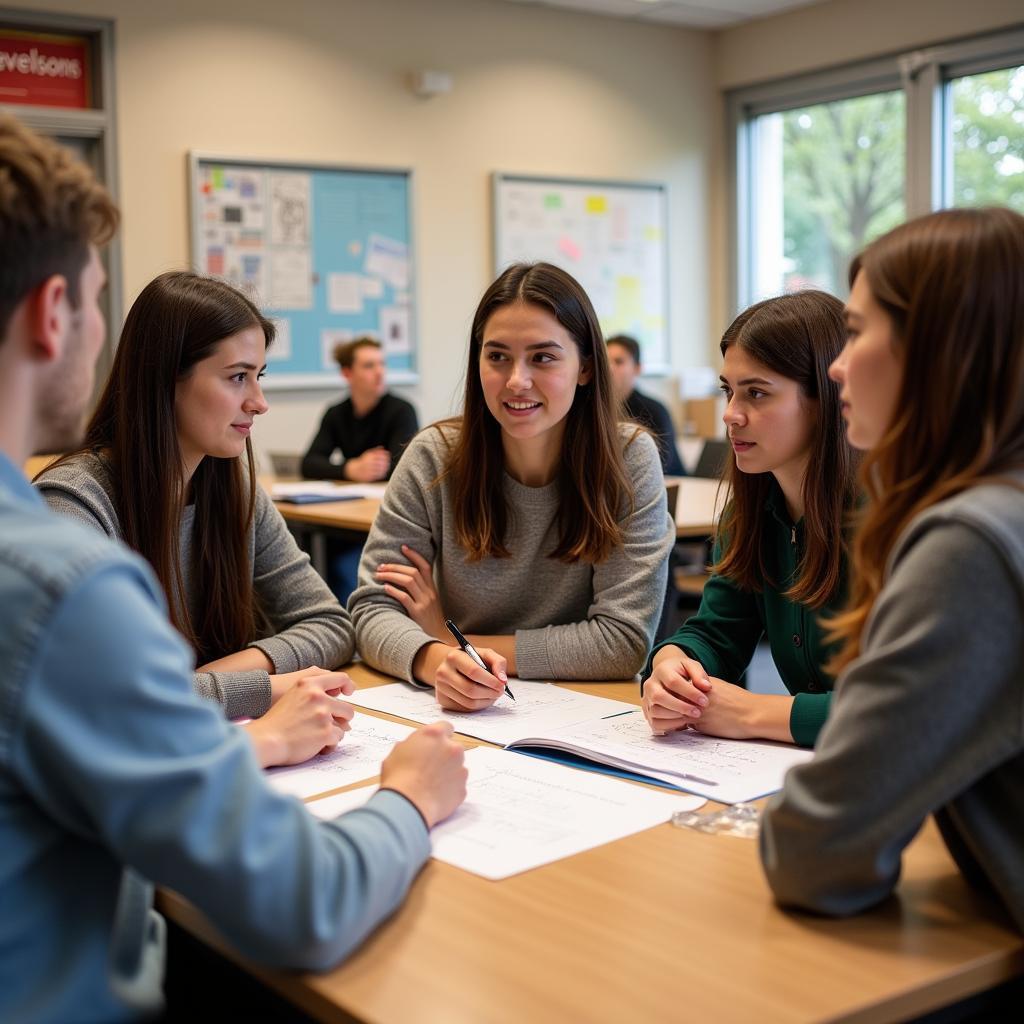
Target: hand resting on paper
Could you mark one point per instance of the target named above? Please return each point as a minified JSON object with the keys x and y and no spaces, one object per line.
{"x":306,"y":720}
{"x":679,"y":694}
{"x":676,"y":692}
{"x":428,"y":769}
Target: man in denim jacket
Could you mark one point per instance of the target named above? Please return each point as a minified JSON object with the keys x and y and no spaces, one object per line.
{"x":113,"y":774}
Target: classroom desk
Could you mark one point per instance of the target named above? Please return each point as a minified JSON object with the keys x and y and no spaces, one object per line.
{"x":668,"y":924}
{"x":698,"y":504}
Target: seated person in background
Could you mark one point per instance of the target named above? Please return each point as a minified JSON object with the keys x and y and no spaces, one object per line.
{"x":624,"y":361}
{"x":780,"y":557}
{"x":107,"y":755}
{"x":370,"y":428}
{"x":535,"y":520}
{"x":927,"y":718}
{"x":167,"y":468}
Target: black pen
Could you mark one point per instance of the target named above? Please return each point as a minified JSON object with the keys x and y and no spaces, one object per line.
{"x":471,"y":650}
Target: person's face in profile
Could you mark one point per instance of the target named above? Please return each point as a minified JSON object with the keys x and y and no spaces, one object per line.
{"x":68,"y":385}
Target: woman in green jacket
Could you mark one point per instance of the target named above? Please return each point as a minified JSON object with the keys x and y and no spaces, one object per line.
{"x":780,"y":557}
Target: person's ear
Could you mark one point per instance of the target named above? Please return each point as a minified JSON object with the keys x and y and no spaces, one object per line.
{"x":346,"y":372}
{"x":586,"y":371}
{"x":49,"y":317}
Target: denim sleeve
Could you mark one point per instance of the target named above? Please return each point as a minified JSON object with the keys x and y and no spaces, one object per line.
{"x":115,"y":746}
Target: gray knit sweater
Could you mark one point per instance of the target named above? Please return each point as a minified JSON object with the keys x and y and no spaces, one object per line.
{"x":310,"y":627}
{"x":576,"y":621}
{"x":928,"y":720}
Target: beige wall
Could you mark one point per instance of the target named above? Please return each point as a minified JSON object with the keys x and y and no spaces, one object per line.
{"x":536,"y":91}
{"x":826,"y":34}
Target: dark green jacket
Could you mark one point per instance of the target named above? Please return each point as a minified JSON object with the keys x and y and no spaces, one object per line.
{"x":725,"y":631}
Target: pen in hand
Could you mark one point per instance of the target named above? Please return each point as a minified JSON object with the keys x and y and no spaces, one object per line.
{"x":470,"y":650}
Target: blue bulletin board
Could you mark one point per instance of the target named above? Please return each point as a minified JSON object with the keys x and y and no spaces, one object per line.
{"x":325,"y":251}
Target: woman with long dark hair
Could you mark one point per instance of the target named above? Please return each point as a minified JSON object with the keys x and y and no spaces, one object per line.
{"x":780,"y":557}
{"x":167,"y":468}
{"x":535,"y":519}
{"x":928,"y":712}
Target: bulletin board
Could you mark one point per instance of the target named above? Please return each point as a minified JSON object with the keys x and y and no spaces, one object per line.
{"x":611,"y":236}
{"x":325,"y":251}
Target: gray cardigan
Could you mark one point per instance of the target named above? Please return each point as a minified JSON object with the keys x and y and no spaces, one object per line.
{"x":928,"y":720}
{"x":310,"y":627}
{"x":576,"y":621}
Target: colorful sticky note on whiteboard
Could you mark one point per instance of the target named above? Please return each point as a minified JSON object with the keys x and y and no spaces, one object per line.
{"x":217,"y":173}
{"x":552,"y":201}
{"x":628,"y":297}
{"x":597,"y":204}
{"x":567,"y":247}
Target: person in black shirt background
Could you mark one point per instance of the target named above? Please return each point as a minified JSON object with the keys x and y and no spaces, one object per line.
{"x":624,"y":357}
{"x":370,"y":429}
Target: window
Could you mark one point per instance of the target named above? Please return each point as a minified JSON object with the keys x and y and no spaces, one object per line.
{"x":824,"y":163}
{"x":830,"y":178}
{"x":986,"y":139}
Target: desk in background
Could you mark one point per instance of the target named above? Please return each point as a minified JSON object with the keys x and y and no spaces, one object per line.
{"x":697,"y":503}
{"x":664,"y":925}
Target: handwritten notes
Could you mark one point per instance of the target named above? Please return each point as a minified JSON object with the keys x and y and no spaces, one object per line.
{"x":727,"y":770}
{"x":537,"y":707}
{"x":356,"y":757}
{"x":521,"y":813}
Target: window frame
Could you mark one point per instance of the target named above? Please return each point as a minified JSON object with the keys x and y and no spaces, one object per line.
{"x":923,"y":75}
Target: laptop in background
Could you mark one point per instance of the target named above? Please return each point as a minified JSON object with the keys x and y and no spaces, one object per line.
{"x":286,"y":464}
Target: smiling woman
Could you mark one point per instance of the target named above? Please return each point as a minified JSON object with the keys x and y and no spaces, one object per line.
{"x":167,"y":468}
{"x":535,"y":519}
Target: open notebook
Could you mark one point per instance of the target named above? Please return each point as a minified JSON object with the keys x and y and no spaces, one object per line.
{"x":545,"y":717}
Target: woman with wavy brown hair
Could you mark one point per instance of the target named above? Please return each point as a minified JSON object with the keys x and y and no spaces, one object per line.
{"x":167,"y":468}
{"x":535,"y":520}
{"x":928,"y":711}
{"x":780,"y":556}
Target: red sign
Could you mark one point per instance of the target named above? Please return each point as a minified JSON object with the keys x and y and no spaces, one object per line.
{"x":44,"y":70}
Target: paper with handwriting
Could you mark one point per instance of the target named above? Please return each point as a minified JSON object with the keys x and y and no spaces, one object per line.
{"x":521,"y":813}
{"x":727,"y":770}
{"x":356,"y":757}
{"x":538,"y":707}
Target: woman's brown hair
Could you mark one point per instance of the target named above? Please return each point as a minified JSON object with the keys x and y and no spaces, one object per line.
{"x":595,"y":485}
{"x":952,"y":283}
{"x":178,"y":320}
{"x":797,"y":336}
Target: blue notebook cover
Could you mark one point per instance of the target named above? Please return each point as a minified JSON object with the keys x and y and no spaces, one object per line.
{"x":564,"y":757}
{"x":316,"y":499}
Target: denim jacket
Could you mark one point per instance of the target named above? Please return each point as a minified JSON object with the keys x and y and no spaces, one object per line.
{"x":114,"y":774}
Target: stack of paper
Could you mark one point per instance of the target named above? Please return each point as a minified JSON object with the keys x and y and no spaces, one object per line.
{"x":307,"y":491}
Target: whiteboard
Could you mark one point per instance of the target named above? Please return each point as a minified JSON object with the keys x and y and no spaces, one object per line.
{"x":611,"y":236}
{"x":325,"y":251}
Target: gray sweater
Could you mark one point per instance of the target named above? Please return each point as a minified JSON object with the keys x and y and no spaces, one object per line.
{"x":310,"y":627}
{"x":929,"y":720}
{"x":578,"y":621}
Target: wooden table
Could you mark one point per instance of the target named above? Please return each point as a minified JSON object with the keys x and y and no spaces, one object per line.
{"x":665,"y":925}
{"x":314,"y":523}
